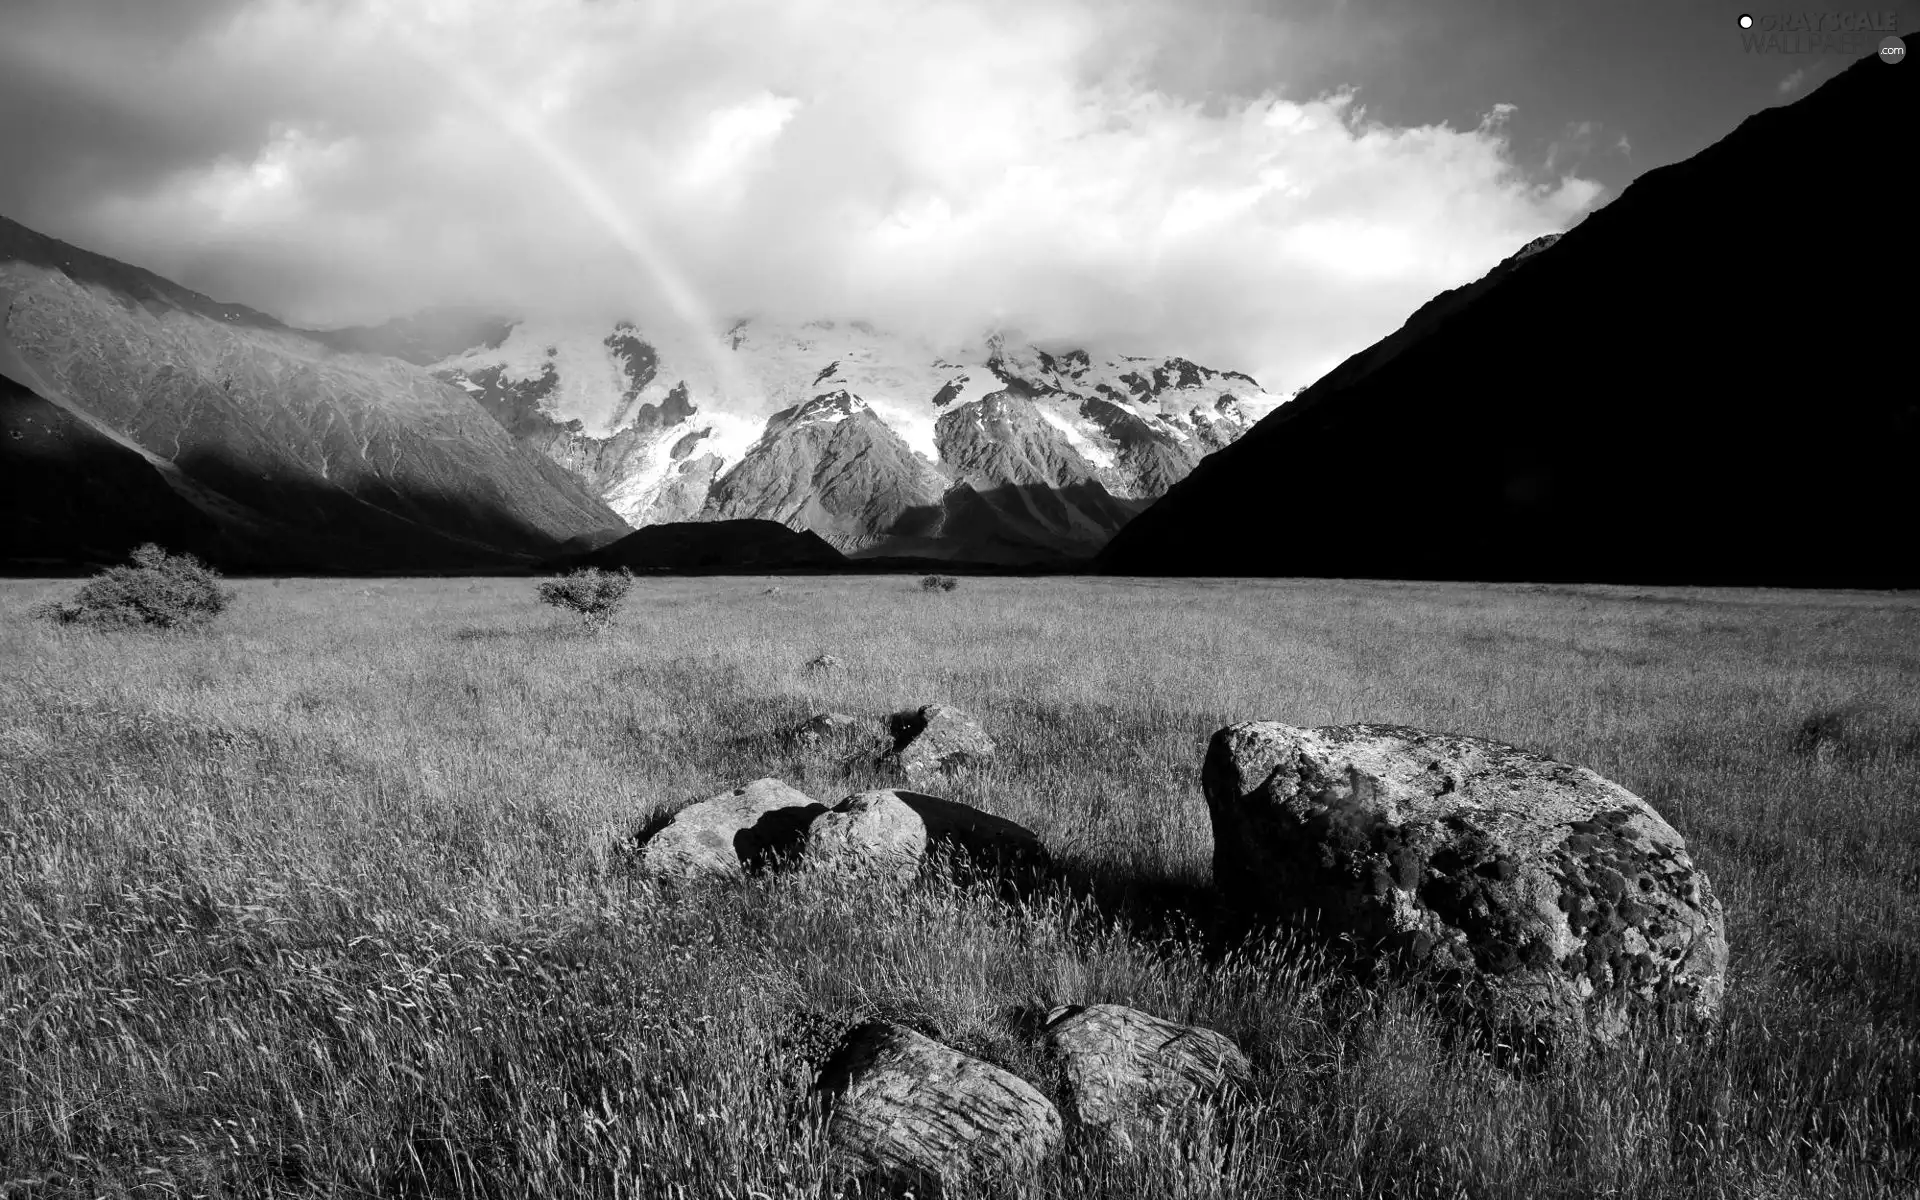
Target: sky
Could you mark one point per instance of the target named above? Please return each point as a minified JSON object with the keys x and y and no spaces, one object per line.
{"x":1261,"y":185}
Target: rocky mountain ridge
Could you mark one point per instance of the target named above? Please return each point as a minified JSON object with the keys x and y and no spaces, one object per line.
{"x":996,"y":451}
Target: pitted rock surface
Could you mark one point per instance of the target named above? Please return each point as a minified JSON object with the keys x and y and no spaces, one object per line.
{"x":904,"y":1104}
{"x":1560,"y":898}
{"x":730,"y":833}
{"x":1125,"y":1073}
{"x":937,"y":740}
{"x":887,"y":834}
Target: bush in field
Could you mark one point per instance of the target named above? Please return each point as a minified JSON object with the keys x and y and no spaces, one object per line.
{"x":595,"y":594}
{"x":159,"y":591}
{"x":939,"y":583}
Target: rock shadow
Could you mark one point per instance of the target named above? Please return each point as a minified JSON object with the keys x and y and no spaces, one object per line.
{"x":775,"y":839}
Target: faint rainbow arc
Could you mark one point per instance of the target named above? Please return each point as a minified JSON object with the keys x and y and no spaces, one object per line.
{"x":587,"y":191}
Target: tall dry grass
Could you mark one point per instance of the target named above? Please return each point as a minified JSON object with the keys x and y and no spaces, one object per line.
{"x":327,"y":900}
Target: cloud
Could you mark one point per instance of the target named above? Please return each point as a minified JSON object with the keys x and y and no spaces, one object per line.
{"x":1791,"y":84}
{"x":1129,"y":173}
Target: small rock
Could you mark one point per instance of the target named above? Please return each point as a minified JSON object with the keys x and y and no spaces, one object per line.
{"x":1558,"y":899}
{"x":1126,"y":1073}
{"x":908,"y":1106}
{"x":772,"y":591}
{"x":825,"y":662}
{"x":824,"y":726}
{"x":730,"y":833}
{"x":886,"y":834}
{"x":937,"y":740}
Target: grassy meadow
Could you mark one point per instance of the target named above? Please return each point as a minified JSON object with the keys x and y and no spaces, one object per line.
{"x":328,"y":899}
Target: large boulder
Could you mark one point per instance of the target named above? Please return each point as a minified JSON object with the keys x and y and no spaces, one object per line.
{"x":1126,"y":1074}
{"x":936,"y":740}
{"x":887,"y":834}
{"x":746,"y":828}
{"x":907,"y":1106}
{"x":1560,"y":900}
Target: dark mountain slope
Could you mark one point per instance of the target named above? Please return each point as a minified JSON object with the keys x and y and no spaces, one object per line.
{"x":72,"y":494}
{"x":1023,"y":483}
{"x":1702,"y":382}
{"x":744,"y":545}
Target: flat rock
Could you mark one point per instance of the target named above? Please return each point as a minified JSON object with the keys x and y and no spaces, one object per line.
{"x":825,"y":662}
{"x":1125,"y":1073}
{"x":907,"y":1105}
{"x":937,"y":740}
{"x":730,"y":833}
{"x":887,"y":834}
{"x":1558,"y":898}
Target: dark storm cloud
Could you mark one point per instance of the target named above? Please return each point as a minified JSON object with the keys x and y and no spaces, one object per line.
{"x":100,"y":95}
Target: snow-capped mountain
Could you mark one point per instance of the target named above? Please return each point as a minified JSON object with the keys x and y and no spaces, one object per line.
{"x":881,"y":444}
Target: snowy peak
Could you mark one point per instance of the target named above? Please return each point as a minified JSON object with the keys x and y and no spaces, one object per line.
{"x":827,"y":408}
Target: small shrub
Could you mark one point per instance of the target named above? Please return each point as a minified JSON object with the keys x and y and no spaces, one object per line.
{"x":159,"y":591}
{"x":594,"y":594}
{"x":939,"y":583}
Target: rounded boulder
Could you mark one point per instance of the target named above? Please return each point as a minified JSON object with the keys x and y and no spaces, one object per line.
{"x":888,"y":834}
{"x":1558,"y":898}
{"x":728,"y":834}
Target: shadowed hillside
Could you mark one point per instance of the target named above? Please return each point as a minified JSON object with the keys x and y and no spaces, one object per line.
{"x":1694,"y":384}
{"x":71,"y":493}
{"x":715,"y":546}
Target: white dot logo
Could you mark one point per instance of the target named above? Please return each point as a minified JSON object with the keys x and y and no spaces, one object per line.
{"x":1746,"y":22}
